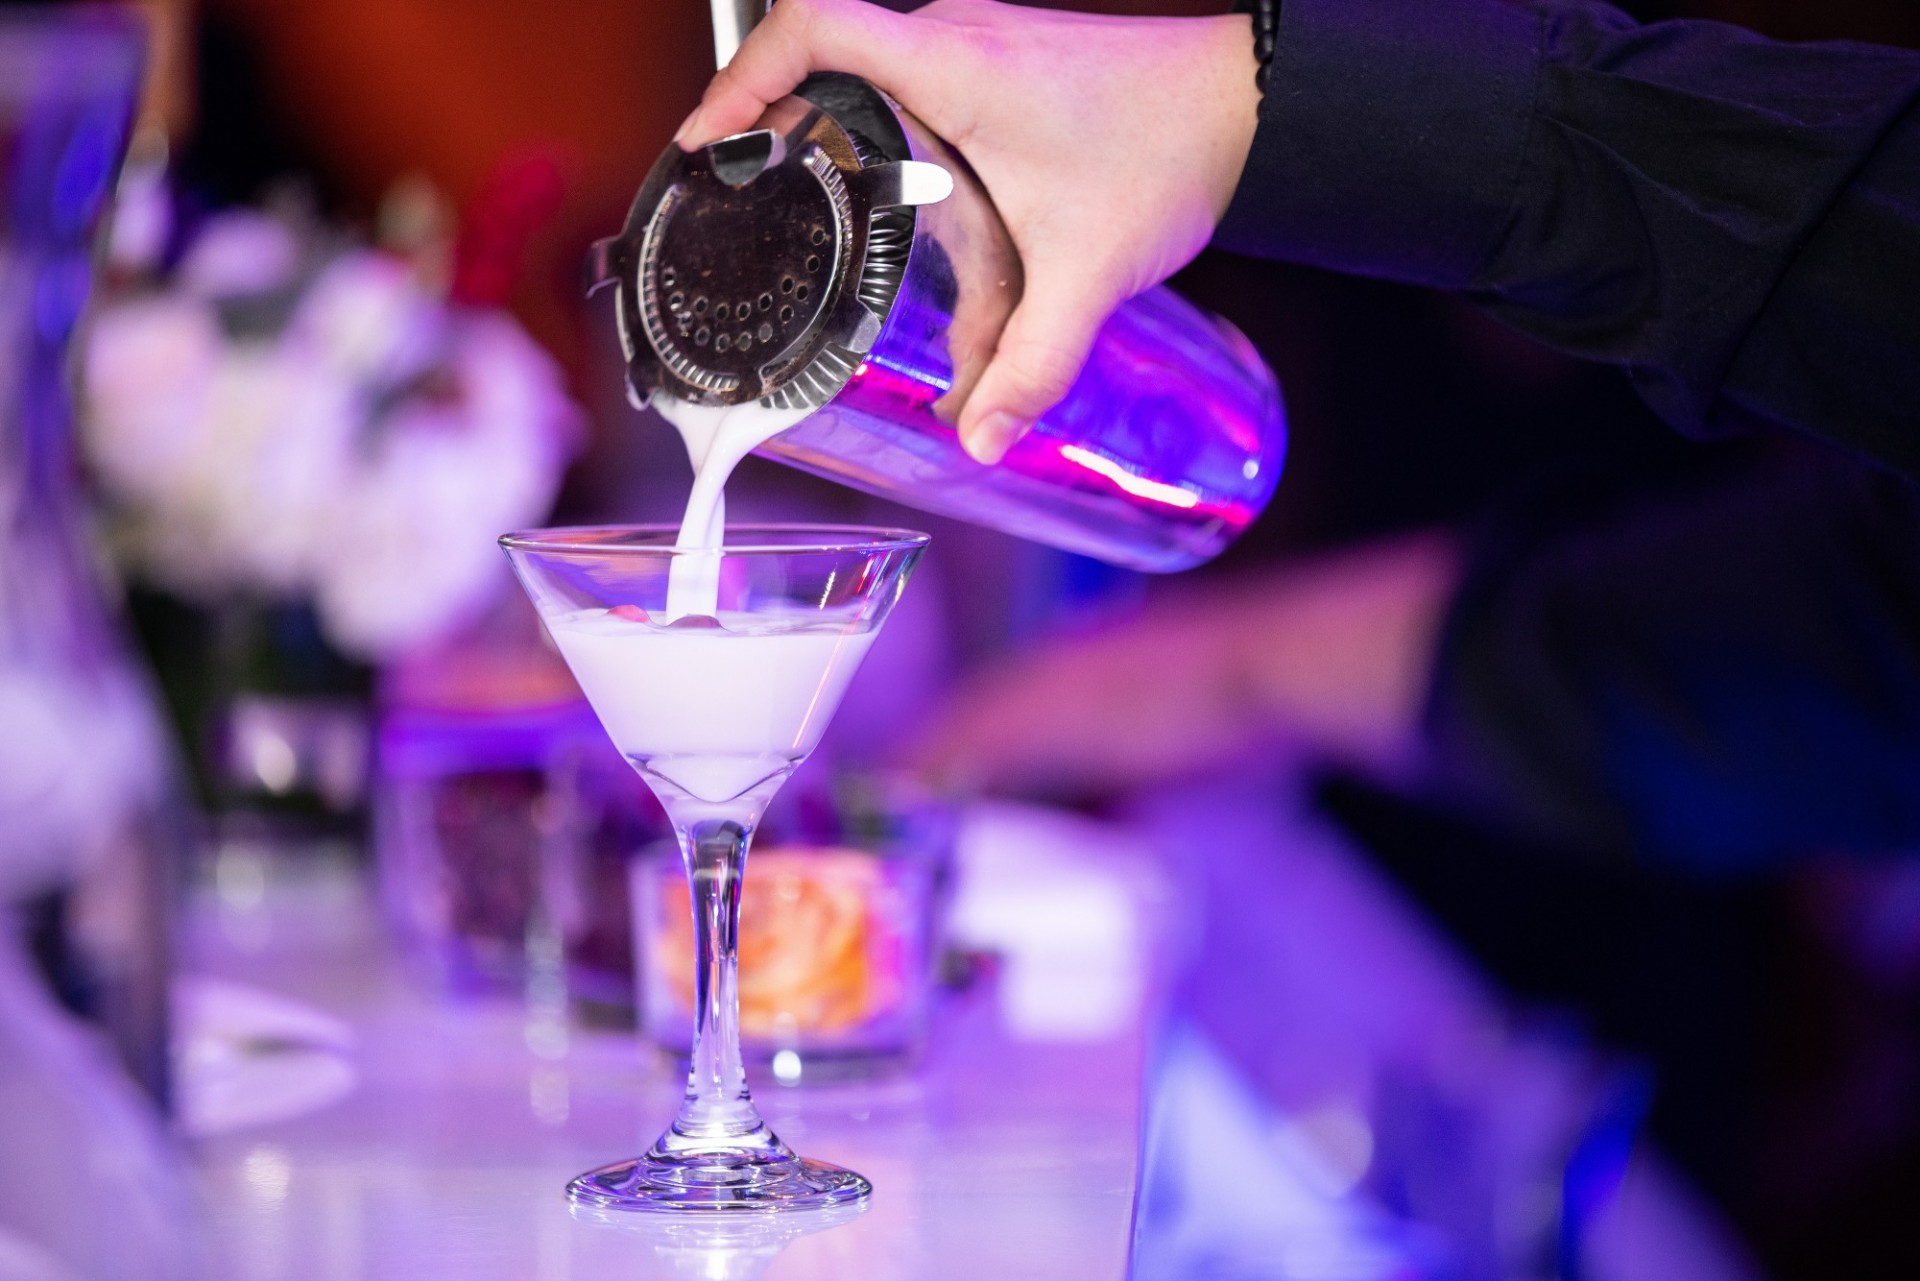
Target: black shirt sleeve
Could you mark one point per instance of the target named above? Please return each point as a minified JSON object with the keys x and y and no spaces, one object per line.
{"x":1734,"y":221}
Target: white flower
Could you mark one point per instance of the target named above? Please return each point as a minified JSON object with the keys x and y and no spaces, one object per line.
{"x":149,"y":372}
{"x":412,"y":551}
{"x":272,"y":447}
{"x":240,"y":251}
{"x":366,"y":318}
{"x":367,"y":456}
{"x":287,"y":432}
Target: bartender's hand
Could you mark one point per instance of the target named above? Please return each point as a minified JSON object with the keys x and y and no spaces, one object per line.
{"x":1330,"y":659}
{"x":1111,"y":146}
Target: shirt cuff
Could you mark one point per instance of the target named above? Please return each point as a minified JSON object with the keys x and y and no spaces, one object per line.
{"x":1390,"y":137}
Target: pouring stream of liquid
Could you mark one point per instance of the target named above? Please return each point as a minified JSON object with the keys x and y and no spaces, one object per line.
{"x":717,"y":438}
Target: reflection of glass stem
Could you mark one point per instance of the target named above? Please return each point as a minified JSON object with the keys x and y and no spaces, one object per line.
{"x":717,"y":1115}
{"x":734,"y":1248}
{"x":719,"y":1261}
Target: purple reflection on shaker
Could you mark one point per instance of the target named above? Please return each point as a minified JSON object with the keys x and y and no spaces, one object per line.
{"x":1165,"y":450}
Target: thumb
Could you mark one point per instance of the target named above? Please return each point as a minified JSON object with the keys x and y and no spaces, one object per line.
{"x":1040,"y":353}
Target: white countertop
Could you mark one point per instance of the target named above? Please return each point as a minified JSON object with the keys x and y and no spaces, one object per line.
{"x":435,"y":1143}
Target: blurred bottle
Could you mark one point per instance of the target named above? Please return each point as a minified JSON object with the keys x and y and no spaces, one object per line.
{"x":89,"y":810}
{"x":504,"y":820}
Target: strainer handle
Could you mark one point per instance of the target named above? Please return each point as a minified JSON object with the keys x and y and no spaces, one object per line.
{"x":732,"y":19}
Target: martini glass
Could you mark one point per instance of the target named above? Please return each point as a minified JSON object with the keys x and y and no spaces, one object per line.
{"x":715,"y":671}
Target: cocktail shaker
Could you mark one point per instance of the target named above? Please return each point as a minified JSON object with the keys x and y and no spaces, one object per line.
{"x":841,"y":259}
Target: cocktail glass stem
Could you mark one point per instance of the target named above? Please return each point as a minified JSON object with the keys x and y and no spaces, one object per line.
{"x":717,"y":1114}
{"x":718,"y":1154}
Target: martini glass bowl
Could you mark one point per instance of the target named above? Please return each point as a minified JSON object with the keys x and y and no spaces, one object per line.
{"x":715,"y":671}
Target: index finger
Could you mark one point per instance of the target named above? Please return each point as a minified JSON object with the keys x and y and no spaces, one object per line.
{"x":797,"y":37}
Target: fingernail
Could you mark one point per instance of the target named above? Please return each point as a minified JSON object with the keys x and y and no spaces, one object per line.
{"x":685,"y":125}
{"x":993,"y":436}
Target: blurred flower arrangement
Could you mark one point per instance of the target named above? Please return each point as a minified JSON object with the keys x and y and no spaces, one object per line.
{"x":841,"y":935}
{"x":288,"y":414}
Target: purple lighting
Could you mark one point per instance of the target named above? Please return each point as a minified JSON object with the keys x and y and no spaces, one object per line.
{"x":1165,"y":449}
{"x":1139,"y":486}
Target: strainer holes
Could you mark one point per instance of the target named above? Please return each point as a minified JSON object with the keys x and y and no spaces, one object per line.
{"x":743,"y":340}
{"x":786,"y":284}
{"x":701,"y":335}
{"x":786,"y":314}
{"x":723,"y":342}
{"x":676,"y":300}
{"x":699,"y":305}
{"x":721,"y":312}
{"x":766,"y":302}
{"x":813,"y":262}
{"x":801,"y":292}
{"x":819,"y":235}
{"x":766,"y":332}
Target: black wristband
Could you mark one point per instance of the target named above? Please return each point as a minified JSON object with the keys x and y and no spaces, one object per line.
{"x":1266,"y":28}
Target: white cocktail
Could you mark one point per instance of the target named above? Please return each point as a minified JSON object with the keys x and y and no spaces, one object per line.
{"x":715,"y":709}
{"x":711,"y":711}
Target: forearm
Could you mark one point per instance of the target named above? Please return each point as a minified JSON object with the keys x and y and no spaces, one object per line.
{"x":1735,"y":222}
{"x":1334,"y":653}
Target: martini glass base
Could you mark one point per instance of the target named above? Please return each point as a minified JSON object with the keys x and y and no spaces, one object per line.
{"x":718,"y":1185}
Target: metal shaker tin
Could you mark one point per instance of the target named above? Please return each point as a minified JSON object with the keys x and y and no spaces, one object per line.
{"x":842,"y":259}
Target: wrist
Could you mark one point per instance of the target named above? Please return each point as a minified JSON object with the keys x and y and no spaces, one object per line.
{"x":1265,"y":17}
{"x":1234,"y":99}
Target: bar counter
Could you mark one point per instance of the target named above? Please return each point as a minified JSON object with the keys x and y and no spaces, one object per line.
{"x":424,"y":1137}
{"x":1281,"y":1071}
